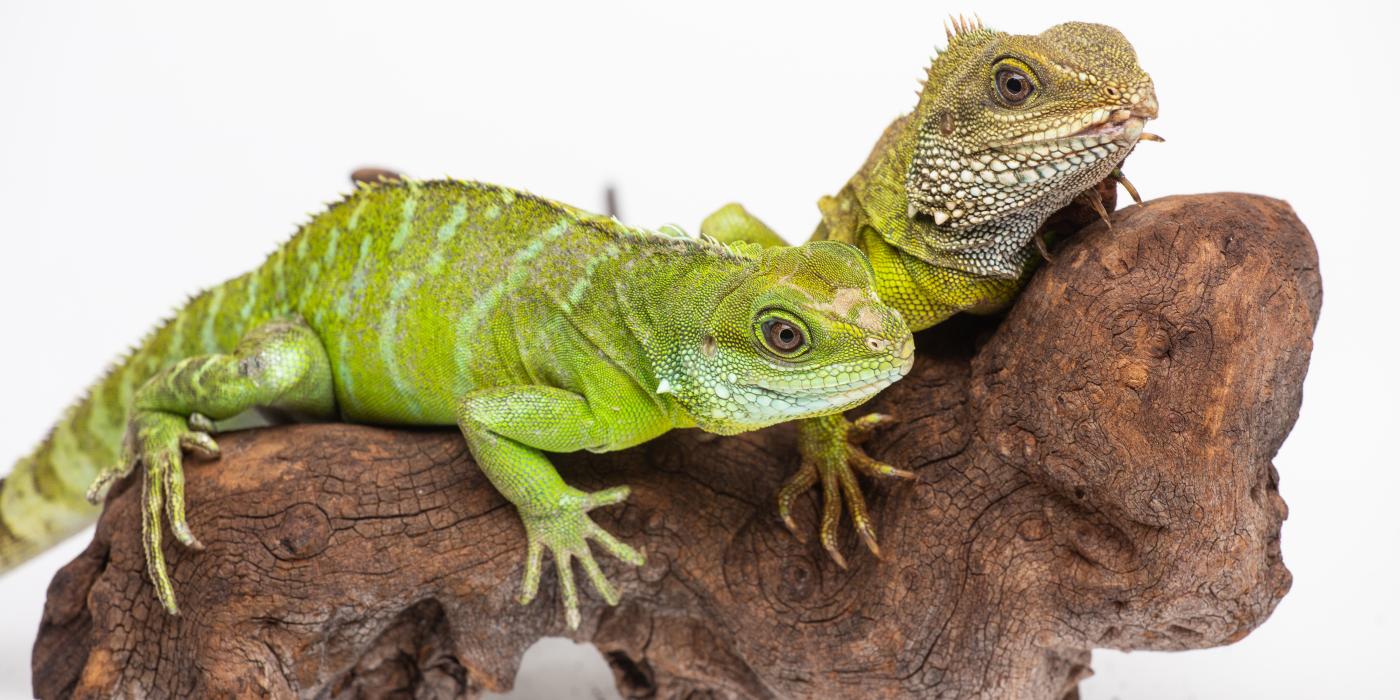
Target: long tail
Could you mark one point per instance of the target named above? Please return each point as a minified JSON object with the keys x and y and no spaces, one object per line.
{"x":43,"y":499}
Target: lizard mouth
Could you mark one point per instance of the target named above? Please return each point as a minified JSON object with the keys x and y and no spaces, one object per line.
{"x":1120,"y":125}
{"x":1099,"y":126}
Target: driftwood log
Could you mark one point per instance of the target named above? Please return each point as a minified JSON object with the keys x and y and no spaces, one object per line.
{"x":1094,"y":471}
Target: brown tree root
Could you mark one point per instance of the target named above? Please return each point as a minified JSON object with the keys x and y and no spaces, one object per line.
{"x":1094,"y":471}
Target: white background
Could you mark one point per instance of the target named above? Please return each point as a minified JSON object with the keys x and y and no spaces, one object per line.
{"x":147,"y":149}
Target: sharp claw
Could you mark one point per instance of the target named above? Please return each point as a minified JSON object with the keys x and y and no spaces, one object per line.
{"x":1041,"y":248}
{"x":1123,"y":180}
{"x":836,"y":556}
{"x":869,"y":536}
{"x":573,"y":618}
{"x":1091,"y":195}
{"x":1151,"y":137}
{"x":186,"y":536}
{"x":792,"y":527}
{"x":891,"y":472}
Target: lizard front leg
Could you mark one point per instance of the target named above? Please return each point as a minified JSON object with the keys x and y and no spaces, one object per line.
{"x":830,"y":447}
{"x":281,"y":364}
{"x":507,"y":428}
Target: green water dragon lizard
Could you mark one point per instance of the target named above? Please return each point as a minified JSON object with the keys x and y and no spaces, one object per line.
{"x":533,"y":326}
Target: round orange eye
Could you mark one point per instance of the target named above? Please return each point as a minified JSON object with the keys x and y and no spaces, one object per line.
{"x":1014,"y":86}
{"x":782,"y":336}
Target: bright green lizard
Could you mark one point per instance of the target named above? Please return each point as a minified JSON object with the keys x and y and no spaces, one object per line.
{"x":1008,"y":129}
{"x":531,"y":325}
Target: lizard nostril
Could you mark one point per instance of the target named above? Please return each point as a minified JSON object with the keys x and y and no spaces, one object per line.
{"x":877,"y":344}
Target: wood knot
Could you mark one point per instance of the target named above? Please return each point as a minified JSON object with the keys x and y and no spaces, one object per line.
{"x":1132,"y":375}
{"x":1033,"y":529}
{"x":305,"y":531}
{"x":799,"y":580}
{"x":1102,"y":545}
{"x":1159,"y":343}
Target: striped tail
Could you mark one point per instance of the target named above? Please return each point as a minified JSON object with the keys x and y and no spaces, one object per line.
{"x":43,"y":499}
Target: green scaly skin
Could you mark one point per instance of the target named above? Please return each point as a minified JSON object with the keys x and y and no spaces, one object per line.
{"x":948,"y":203}
{"x":531,"y":325}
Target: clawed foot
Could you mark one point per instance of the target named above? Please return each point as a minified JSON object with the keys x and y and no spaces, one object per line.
{"x":156,"y":440}
{"x":565,"y":530}
{"x":830,"y":447}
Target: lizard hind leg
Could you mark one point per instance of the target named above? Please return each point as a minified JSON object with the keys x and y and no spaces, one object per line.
{"x":281,"y":364}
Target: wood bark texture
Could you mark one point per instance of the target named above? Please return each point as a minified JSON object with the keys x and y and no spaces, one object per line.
{"x":1094,"y":471}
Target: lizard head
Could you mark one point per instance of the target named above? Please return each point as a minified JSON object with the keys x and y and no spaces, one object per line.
{"x":803,"y":333}
{"x":1013,"y":126}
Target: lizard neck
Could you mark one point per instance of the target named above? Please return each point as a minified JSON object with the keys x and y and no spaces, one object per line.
{"x":666,"y":307}
{"x":978,"y":213}
{"x":877,"y":196}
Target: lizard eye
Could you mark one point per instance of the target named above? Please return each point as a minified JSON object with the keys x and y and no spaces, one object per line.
{"x":1014,"y":86}
{"x":782,"y":336}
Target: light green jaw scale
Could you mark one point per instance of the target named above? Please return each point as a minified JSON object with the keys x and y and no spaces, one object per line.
{"x":532,"y":326}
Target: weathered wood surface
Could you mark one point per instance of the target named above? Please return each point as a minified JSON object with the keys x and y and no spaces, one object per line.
{"x":1094,"y":471}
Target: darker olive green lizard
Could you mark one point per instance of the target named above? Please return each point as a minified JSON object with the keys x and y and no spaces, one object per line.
{"x":1007,"y":130}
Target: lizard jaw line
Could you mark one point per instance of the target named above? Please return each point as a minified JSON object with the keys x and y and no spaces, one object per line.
{"x":1121,"y":123}
{"x":799,"y":403}
{"x":1101,"y":122}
